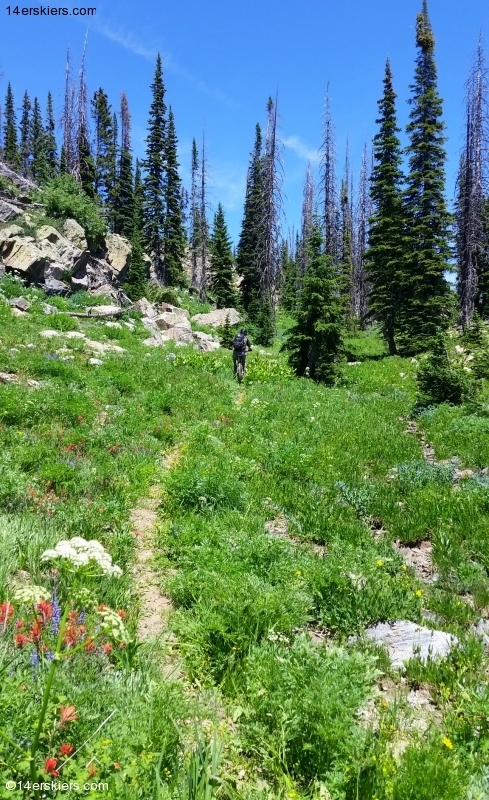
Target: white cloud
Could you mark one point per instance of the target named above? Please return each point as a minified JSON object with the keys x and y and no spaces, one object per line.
{"x":301,"y":150}
{"x":134,"y":45}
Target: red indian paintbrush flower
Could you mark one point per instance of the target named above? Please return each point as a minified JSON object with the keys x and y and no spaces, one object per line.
{"x":50,"y":767}
{"x":66,"y":749}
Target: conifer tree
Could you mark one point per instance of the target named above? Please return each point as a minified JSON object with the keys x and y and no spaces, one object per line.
{"x":174,"y":232}
{"x":361,"y":232}
{"x":346,"y":263}
{"x":154,"y":178}
{"x":10,"y":147}
{"x":315,"y":343}
{"x":329,"y":186}
{"x":195,"y":226}
{"x":51,"y":146}
{"x":222,"y":283}
{"x":124,"y":212}
{"x":104,"y":147}
{"x":39,"y":166}
{"x":250,"y":246}
{"x":385,"y":253}
{"x":423,"y":283}
{"x":136,"y":279}
{"x":307,"y":218}
{"x":290,"y":281}
{"x":25,"y":136}
{"x":204,"y":227}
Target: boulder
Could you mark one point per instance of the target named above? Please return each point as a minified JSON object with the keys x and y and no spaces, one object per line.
{"x":55,"y":287}
{"x":21,"y":303}
{"x":8,"y":211}
{"x":48,"y":309}
{"x":170,"y":318}
{"x":95,"y":362}
{"x":74,"y":233}
{"x":97,"y":311}
{"x":22,"y":255}
{"x":78,"y":284}
{"x":146,"y":308}
{"x":217,"y":318}
{"x":16,"y":312}
{"x":118,"y":252}
{"x":182,"y":312}
{"x":149,"y":324}
{"x":9,"y":233}
{"x":205,"y":342}
{"x":60,"y":251}
{"x":56,"y":271}
{"x":179,"y":333}
{"x":405,"y":640}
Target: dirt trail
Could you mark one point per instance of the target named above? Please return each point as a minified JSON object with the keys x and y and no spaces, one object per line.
{"x":155,"y":606}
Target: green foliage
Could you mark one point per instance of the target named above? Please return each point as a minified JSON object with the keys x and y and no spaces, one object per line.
{"x":227,"y":333}
{"x":10,"y":146}
{"x":249,"y":252}
{"x":315,"y":342}
{"x":63,"y":197}
{"x":303,"y":718}
{"x":63,"y":322}
{"x":440,"y":380}
{"x":154,"y":177}
{"x":222,"y":283}
{"x":173,"y":229}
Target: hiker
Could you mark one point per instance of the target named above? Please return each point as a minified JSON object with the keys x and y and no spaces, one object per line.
{"x":241,"y":344}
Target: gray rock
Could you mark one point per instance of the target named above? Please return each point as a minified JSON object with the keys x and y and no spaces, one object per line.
{"x":10,"y":232}
{"x":21,"y":303}
{"x":118,"y":252}
{"x":97,"y":311}
{"x":217,"y":318}
{"x":8,"y":211}
{"x":169,"y":319}
{"x":55,"y":271}
{"x":146,"y":308}
{"x":405,"y":640}
{"x":49,"y":334}
{"x":20,"y":254}
{"x":16,"y":312}
{"x":74,"y":233}
{"x":95,"y":362}
{"x":482,"y":630}
{"x":55,"y":287}
{"x":78,"y":284}
{"x":49,"y":309}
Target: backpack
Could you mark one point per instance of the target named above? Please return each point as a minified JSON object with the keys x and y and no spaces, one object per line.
{"x":239,"y":342}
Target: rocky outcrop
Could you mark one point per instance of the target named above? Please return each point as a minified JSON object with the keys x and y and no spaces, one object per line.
{"x":118,"y":252}
{"x":74,"y":233}
{"x":21,"y":255}
{"x":8,"y":210}
{"x":405,"y":640}
{"x":217,"y":318}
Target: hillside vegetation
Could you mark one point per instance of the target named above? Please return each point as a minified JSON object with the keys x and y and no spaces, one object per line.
{"x":279,"y":503}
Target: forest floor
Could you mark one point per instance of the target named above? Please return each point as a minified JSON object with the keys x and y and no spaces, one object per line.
{"x":262,"y":530}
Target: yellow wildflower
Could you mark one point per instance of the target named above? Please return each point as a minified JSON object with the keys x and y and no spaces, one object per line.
{"x":418,"y":592}
{"x":379,"y":562}
{"x":447,"y":742}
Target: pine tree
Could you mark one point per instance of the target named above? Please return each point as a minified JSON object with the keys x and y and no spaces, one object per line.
{"x":195,"y":226}
{"x":222,"y":283}
{"x":360,"y":237}
{"x":39,"y":166}
{"x":385,"y":253}
{"x":136,"y":279}
{"x":250,"y":246}
{"x":104,"y":147}
{"x":124,"y":212}
{"x":346,"y":263}
{"x":173,"y":230}
{"x":307,"y":218}
{"x":204,"y":227}
{"x":154,"y":179}
{"x":315,"y":343}
{"x":423,"y":284}
{"x":290,"y":282}
{"x":10,"y":148}
{"x":51,"y":146}
{"x":25,"y":136}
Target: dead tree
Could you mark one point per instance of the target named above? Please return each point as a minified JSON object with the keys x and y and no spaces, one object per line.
{"x":362,"y":213}
{"x":204,"y":227}
{"x":68,"y":121}
{"x":307,"y":220}
{"x":471,"y":199}
{"x":272,"y":209}
{"x":346,"y":264}
{"x":328,"y":184}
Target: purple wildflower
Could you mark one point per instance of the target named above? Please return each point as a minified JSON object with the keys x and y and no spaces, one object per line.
{"x":56,"y":618}
{"x":34,"y":659}
{"x":49,"y":655}
{"x":81,"y":617}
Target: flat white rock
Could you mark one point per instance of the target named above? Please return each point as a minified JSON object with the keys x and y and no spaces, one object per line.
{"x":405,"y":640}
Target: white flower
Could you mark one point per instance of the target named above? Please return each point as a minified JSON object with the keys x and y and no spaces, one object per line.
{"x":81,"y":553}
{"x":113,"y":625}
{"x":459,"y":350}
{"x":31,"y":594}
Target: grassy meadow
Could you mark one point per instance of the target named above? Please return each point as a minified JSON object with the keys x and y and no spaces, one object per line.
{"x":274,"y":545}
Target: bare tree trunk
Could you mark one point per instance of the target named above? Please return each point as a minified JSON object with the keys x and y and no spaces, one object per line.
{"x":328,"y":185}
{"x":472,"y":187}
{"x":204,"y":228}
{"x":307,"y":217}
{"x":360,"y":288}
{"x":195,"y":217}
{"x":68,"y":120}
{"x":271,"y":210}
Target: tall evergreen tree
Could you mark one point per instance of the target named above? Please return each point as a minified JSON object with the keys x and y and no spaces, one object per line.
{"x":136,"y":279}
{"x":250,"y":246}
{"x":51,"y":146}
{"x":385,"y":252}
{"x":10,"y":147}
{"x":328,"y":185}
{"x":222,"y":283}
{"x":25,"y":136}
{"x":423,"y":283}
{"x":104,"y":147}
{"x":290,"y":281}
{"x":346,"y":263}
{"x":124,"y":212}
{"x":39,"y":166}
{"x":154,"y":178}
{"x":306,"y":221}
{"x":315,"y":343}
{"x":195,"y":226}
{"x":173,"y":230}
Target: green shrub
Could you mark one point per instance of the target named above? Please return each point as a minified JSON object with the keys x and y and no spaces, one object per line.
{"x":304,"y":705}
{"x":156,"y":294}
{"x":442,"y":381}
{"x":64,"y":197}
{"x":63,"y":322}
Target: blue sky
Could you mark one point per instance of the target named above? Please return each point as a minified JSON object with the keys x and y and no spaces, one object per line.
{"x":223,"y":59}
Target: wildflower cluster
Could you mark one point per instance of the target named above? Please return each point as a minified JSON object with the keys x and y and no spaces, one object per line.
{"x":79,"y":553}
{"x":113,"y":625}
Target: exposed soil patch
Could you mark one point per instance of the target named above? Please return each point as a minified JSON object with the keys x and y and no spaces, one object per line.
{"x":155,"y":607}
{"x":418,"y":556}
